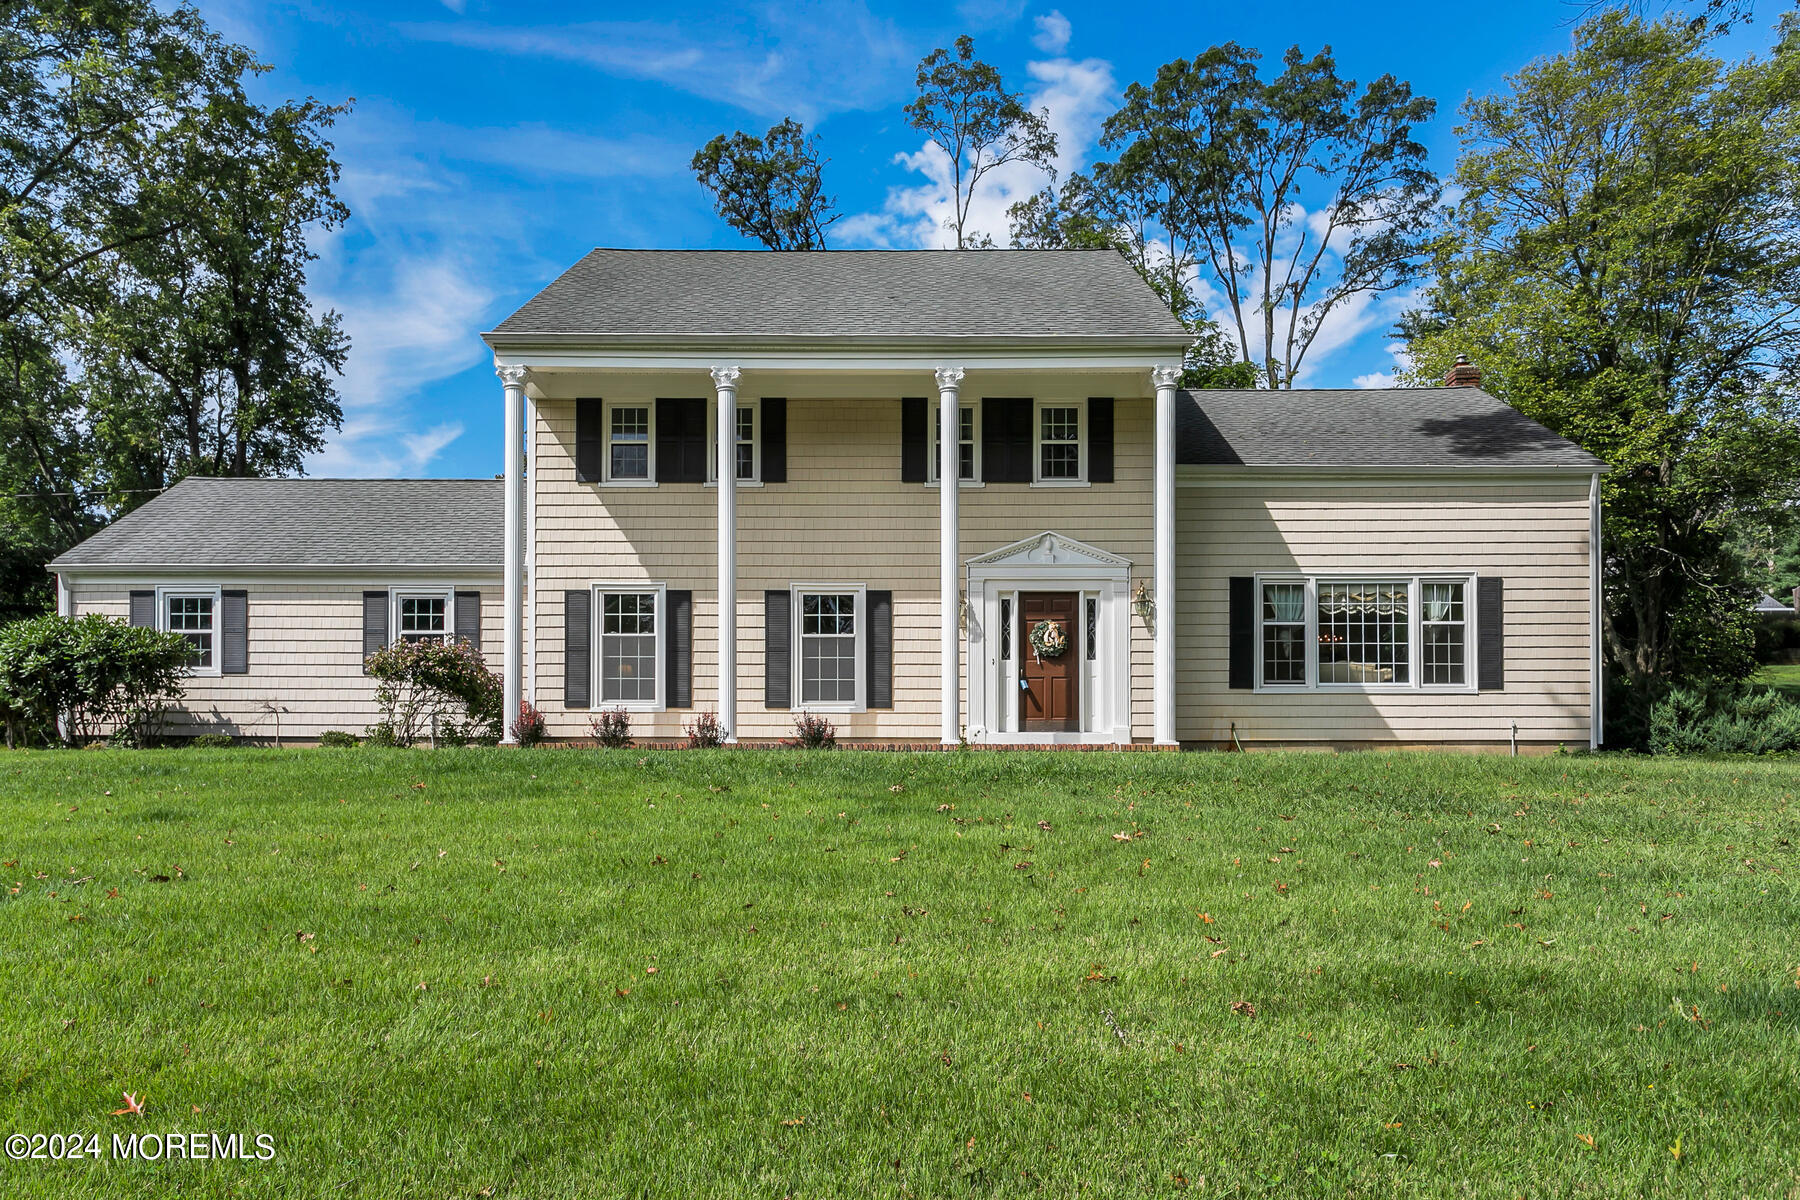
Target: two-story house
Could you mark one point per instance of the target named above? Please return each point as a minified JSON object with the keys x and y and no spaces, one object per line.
{"x":726,"y":489}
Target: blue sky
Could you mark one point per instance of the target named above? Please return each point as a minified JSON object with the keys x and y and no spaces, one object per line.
{"x":493,"y":143}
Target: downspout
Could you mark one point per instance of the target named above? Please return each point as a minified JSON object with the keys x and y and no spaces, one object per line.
{"x":1596,"y":669}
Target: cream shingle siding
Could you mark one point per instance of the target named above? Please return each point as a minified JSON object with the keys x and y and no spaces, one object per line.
{"x":1533,"y":535}
{"x":305,"y":654}
{"x":844,"y":516}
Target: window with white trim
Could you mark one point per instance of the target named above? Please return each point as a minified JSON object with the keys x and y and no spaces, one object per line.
{"x":745,"y":445}
{"x":422,"y":616}
{"x":194,"y":615}
{"x":968,"y":444}
{"x":628,"y":443}
{"x":829,"y":648}
{"x":1366,"y":632}
{"x":630,"y":647}
{"x":1061,"y":451}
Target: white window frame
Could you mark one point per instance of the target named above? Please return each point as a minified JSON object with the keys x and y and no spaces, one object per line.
{"x":166,"y":594}
{"x":607,"y":408}
{"x":598,"y":653}
{"x":931,"y":459}
{"x":712,"y":442}
{"x":1414,"y":635}
{"x":1037,"y":442}
{"x":396,"y":595}
{"x":860,"y":635}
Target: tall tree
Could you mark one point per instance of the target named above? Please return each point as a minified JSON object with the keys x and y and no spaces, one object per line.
{"x":1627,"y":271}
{"x":964,"y":108}
{"x":770,"y":188}
{"x":1296,"y":196}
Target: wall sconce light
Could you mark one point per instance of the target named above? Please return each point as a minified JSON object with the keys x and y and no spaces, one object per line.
{"x":1144,"y":605}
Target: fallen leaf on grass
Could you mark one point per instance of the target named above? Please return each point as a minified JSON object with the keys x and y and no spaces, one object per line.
{"x":1586,"y":1139}
{"x":1243,"y":1008}
{"x":791,"y":1121}
{"x":132,"y":1105}
{"x":1216,"y":954}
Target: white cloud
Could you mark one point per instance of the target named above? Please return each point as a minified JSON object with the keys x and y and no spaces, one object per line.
{"x":1052,"y":36}
{"x":991,"y":14}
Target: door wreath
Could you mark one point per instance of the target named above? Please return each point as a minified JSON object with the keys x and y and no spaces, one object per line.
{"x":1048,"y":640}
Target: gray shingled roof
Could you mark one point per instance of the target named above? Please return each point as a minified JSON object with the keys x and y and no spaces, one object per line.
{"x":872,"y":294}
{"x":1373,"y":427}
{"x":436,"y":524}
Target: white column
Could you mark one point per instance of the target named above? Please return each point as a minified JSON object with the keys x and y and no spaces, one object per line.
{"x":949,"y":381}
{"x":512,"y":379}
{"x":1163,"y":669}
{"x":725,"y":381}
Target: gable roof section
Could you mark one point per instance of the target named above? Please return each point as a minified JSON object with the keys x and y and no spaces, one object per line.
{"x":872,"y":295}
{"x":1362,"y":428}
{"x":298,"y":524}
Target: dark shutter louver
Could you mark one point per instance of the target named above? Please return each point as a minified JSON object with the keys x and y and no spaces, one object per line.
{"x":578,"y":639}
{"x":468,"y":618}
{"x":1242,"y":658}
{"x":1490,"y":621}
{"x":774,"y":439}
{"x":234,"y":633}
{"x":375,"y":623}
{"x":778,"y":658}
{"x":914,"y":440}
{"x":879,"y":650}
{"x":678,"y":648}
{"x":1006,"y":441}
{"x":590,"y":440}
{"x":681,"y":451}
{"x":1100,"y":439}
{"x":143,"y":609}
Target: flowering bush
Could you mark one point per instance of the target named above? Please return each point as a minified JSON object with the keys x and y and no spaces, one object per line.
{"x":94,"y":674}
{"x":812,"y":732}
{"x":706,"y":731}
{"x":528,"y":726}
{"x":437,"y":689}
{"x":612,"y":727}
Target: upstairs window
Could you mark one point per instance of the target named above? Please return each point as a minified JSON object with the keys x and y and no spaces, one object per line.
{"x":968,"y":445}
{"x":746,"y":451}
{"x":422,"y":617}
{"x":628,"y":443}
{"x":1059,"y":447}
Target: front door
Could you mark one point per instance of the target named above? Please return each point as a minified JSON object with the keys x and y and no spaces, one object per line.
{"x":1048,"y":699}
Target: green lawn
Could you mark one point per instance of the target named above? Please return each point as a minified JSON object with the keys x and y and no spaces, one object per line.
{"x":1783,"y":677}
{"x":764,"y":974}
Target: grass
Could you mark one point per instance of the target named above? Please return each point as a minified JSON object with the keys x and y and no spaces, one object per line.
{"x":474,"y":973}
{"x":1783,"y":677}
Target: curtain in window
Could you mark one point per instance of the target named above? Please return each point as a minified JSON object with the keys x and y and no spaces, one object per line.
{"x":1284,"y":602}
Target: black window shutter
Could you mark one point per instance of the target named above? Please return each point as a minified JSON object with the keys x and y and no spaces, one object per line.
{"x":143,"y":609}
{"x":774,"y":439}
{"x":578,"y":639}
{"x":681,"y":441}
{"x":778,"y":657}
{"x":1490,"y":618}
{"x":879,"y":650}
{"x":1243,"y":633}
{"x":678,"y":648}
{"x":375,"y":622}
{"x":590,"y":440}
{"x":1006,"y":442}
{"x":234,"y":633}
{"x":468,"y":618}
{"x":1100,"y":439}
{"x":914,"y":444}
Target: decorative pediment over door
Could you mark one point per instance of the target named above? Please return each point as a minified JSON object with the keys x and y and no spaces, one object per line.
{"x":1048,"y":549}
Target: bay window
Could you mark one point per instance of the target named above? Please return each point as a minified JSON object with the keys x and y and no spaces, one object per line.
{"x":1369,"y":633}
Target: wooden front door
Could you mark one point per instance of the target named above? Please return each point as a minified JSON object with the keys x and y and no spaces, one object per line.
{"x":1049,"y":700}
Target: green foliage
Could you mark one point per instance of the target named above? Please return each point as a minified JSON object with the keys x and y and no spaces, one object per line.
{"x":88,"y":676}
{"x":1626,"y":270}
{"x":1724,"y":720}
{"x":612,"y":728}
{"x":770,"y":188}
{"x":338,"y":739}
{"x":964,"y":108}
{"x":437,"y":689}
{"x":212,"y":741}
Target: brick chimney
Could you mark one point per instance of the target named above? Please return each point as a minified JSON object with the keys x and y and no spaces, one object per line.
{"x":1463,"y":374}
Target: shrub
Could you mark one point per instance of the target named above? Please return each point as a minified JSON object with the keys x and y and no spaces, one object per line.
{"x":337,"y":737}
{"x":813,"y":732}
{"x":1724,"y":720}
{"x":705,"y":731}
{"x":212,"y":741}
{"x":93,"y":674}
{"x":612,"y":727}
{"x":437,"y":689}
{"x":528,"y":726}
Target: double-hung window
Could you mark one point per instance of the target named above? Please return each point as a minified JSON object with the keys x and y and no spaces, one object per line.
{"x":421,"y":616}
{"x":630,"y":626}
{"x":1061,"y":453}
{"x":194,"y":615}
{"x":968,"y":444}
{"x":746,"y":452}
{"x":628,"y":443}
{"x":1369,"y":632}
{"x":828,"y":646}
